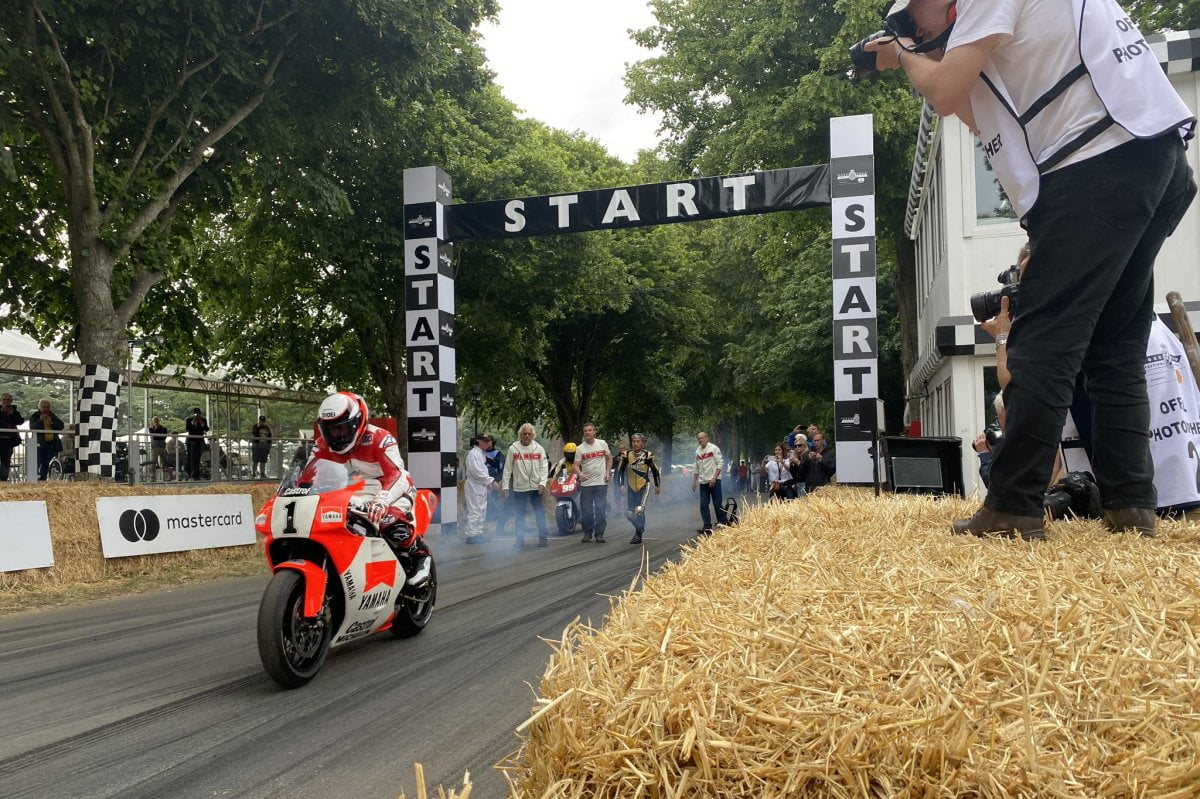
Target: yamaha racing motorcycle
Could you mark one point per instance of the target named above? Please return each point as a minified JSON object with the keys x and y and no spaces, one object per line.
{"x":336,"y":580}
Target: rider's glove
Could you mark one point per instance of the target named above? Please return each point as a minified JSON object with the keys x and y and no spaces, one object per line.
{"x":375,"y":510}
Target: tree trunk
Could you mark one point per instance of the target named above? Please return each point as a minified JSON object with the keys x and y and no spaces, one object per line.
{"x":102,"y":345}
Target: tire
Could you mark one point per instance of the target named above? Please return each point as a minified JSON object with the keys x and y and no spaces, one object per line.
{"x":414,"y":606}
{"x":55,"y":470}
{"x":565,"y":517}
{"x":292,"y":648}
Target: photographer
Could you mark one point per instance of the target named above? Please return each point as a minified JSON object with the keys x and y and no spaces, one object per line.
{"x":1087,"y":140}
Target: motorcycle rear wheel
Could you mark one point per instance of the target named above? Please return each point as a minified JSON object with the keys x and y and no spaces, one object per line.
{"x":414,"y":605}
{"x":292,"y":648}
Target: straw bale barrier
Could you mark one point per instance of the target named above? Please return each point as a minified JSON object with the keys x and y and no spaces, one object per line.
{"x":847,"y":646}
{"x":75,"y":534}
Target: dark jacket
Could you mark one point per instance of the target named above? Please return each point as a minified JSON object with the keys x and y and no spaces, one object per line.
{"x":196,"y":428}
{"x":54,"y":443}
{"x":8,"y":427}
{"x":816,"y":473}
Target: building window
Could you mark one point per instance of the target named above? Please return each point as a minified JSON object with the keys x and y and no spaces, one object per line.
{"x":991,"y":203}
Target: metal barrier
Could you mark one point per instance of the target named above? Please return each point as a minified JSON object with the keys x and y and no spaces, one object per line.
{"x":165,"y":460}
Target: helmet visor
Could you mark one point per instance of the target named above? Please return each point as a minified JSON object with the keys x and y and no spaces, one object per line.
{"x":339,"y":433}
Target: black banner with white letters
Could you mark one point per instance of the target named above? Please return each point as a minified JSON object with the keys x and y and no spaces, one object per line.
{"x":637,"y":206}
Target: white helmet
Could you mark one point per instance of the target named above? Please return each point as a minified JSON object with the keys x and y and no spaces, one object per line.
{"x":342,"y":419}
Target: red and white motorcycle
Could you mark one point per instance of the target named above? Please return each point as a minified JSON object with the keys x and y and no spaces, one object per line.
{"x":336,"y":580}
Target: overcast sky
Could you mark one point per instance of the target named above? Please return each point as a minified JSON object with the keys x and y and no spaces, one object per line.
{"x":563,"y":62}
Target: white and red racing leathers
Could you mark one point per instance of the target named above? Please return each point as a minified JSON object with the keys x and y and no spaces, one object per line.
{"x":377,"y":458}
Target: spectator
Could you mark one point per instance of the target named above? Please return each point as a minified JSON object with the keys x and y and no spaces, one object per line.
{"x":818,"y":467}
{"x":708,"y":478}
{"x":497,"y":509}
{"x":634,"y":472}
{"x":48,"y":442}
{"x":158,"y":446}
{"x":260,"y":448}
{"x":779,"y":479}
{"x":595,"y":471}
{"x":196,"y":426}
{"x":10,"y":418}
{"x":797,"y":432}
{"x":795,"y":462}
{"x":477,"y":484}
{"x":743,"y":476}
{"x":525,"y":474}
{"x":811,"y":433}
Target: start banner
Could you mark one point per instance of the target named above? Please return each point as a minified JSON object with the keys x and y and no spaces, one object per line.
{"x":157,"y":524}
{"x":24,"y":536}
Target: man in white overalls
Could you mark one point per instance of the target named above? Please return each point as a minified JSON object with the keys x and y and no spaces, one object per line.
{"x":1086,"y":135}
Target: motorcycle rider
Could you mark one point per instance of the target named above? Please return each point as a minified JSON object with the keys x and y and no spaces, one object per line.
{"x":565,"y":463}
{"x":345,"y":436}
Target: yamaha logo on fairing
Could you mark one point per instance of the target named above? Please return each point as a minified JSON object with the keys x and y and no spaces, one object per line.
{"x":139,"y":525}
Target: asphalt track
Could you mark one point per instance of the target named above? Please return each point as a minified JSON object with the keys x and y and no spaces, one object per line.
{"x":163,"y":695}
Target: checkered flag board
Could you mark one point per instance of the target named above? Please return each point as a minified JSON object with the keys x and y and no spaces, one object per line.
{"x":99,"y":410}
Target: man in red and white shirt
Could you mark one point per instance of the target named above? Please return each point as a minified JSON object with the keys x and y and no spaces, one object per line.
{"x":707,"y":477}
{"x":525,"y":473}
{"x":595,"y":470}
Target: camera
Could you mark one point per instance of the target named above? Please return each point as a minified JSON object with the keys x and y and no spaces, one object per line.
{"x":1075,"y":495}
{"x":896,"y":23}
{"x":993,"y":434}
{"x":986,"y":304}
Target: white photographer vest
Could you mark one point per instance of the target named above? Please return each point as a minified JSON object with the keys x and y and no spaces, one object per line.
{"x":1126,"y":76}
{"x":1174,"y":423}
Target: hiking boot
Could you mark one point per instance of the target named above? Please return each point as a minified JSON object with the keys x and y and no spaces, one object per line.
{"x":1130,"y":520}
{"x":600,"y":538}
{"x":988,"y":522}
{"x":637,"y":538}
{"x":543,"y":542}
{"x":587,"y":538}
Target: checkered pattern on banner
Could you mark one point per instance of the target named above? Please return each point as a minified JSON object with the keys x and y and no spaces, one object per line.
{"x":960,"y":335}
{"x":429,"y":340}
{"x":99,"y":412}
{"x":1178,"y":52}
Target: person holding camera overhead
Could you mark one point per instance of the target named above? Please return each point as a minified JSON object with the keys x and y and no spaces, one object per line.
{"x":1086,"y":135}
{"x":196,"y":426}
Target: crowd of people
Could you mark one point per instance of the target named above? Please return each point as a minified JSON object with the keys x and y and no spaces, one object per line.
{"x":799,"y":465}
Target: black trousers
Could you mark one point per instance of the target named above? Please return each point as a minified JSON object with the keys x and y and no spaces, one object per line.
{"x":1086,"y":304}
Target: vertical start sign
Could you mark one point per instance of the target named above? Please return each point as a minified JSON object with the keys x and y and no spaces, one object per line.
{"x":429,"y":338}
{"x":855,"y":328}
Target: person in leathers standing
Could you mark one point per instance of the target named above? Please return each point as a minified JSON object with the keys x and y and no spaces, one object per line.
{"x":476,"y":485}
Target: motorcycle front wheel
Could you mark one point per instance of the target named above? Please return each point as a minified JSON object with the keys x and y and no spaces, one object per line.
{"x":565,"y":517}
{"x":292,"y":648}
{"x":414,"y":606}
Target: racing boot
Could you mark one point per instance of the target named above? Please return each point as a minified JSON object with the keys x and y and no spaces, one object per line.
{"x":418,"y":556}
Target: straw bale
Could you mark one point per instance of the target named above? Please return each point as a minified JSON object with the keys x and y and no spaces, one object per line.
{"x":75,"y":534}
{"x":848,"y":646}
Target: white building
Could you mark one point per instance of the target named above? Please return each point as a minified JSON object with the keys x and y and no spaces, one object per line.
{"x":965,"y":235}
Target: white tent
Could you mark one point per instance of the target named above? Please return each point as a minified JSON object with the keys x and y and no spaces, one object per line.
{"x":20,"y":354}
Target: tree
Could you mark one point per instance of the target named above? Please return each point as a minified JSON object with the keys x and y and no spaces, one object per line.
{"x":750,"y":86}
{"x":123,"y":117}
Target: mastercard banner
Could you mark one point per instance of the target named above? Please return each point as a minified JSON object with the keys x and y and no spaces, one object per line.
{"x":156,"y":524}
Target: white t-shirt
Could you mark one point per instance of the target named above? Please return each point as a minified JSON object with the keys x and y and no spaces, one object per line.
{"x":1041,"y":46}
{"x":593,"y":465}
